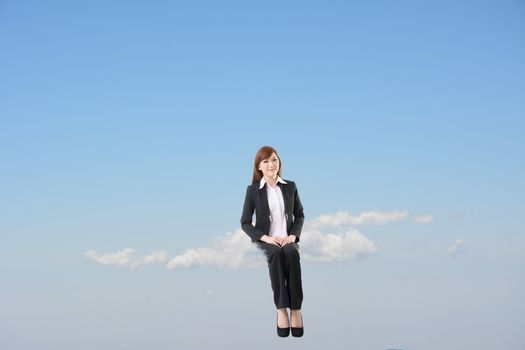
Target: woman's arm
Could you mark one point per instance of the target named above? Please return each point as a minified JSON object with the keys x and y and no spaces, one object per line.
{"x":246,"y":218}
{"x":298,"y":216}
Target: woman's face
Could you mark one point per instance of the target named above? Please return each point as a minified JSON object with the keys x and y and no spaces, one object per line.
{"x":270,"y":166}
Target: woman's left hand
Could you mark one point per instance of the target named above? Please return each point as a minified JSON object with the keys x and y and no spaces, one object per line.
{"x":288,"y":239}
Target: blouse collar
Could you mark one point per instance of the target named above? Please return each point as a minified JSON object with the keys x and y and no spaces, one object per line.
{"x":263,"y":181}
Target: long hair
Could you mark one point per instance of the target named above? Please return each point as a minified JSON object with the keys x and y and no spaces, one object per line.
{"x":263,"y":153}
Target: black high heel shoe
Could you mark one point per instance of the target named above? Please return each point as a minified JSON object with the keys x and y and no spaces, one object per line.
{"x":282,"y":332}
{"x":297,"y":331}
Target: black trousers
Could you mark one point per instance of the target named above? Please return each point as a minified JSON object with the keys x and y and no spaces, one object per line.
{"x":285,"y":274}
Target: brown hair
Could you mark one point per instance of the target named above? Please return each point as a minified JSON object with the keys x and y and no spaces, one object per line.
{"x":263,"y":153}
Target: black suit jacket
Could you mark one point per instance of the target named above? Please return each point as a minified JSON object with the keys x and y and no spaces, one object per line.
{"x":257,"y":200}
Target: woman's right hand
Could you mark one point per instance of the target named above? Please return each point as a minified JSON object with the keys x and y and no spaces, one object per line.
{"x":272,"y":240}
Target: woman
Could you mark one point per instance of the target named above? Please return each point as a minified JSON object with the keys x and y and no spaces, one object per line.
{"x":279,"y":220}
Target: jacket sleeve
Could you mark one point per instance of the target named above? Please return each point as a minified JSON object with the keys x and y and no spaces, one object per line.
{"x":246,"y":218}
{"x":298,"y":216}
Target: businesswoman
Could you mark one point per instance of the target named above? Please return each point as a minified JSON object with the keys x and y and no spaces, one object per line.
{"x":279,"y":220}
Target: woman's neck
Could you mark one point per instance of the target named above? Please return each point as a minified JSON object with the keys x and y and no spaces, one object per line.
{"x":271,"y":181}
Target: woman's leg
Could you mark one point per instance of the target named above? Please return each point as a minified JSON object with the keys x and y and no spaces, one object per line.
{"x":292,"y":267}
{"x":276,"y":265}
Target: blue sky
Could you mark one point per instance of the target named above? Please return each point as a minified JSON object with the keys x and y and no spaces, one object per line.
{"x":133,"y":125}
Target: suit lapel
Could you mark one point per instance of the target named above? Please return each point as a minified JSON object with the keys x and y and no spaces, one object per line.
{"x":286,"y":196}
{"x":264,"y":198}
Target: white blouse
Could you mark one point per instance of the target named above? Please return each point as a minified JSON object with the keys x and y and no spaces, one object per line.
{"x":276,"y":204}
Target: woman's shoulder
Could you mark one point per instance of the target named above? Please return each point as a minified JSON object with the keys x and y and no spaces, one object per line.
{"x":289,"y":182}
{"x":253,"y":186}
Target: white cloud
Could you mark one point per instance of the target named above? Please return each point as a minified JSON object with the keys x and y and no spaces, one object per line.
{"x":231,"y":250}
{"x":458,"y":248}
{"x":344,"y":218}
{"x":127,"y":258}
{"x":319,"y":247}
{"x":156,"y":257}
{"x":424,"y":219}
{"x":319,"y":243}
{"x":236,"y":250}
{"x":120,"y":258}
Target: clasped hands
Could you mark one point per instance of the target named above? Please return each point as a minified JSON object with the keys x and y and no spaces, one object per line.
{"x":279,"y":241}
